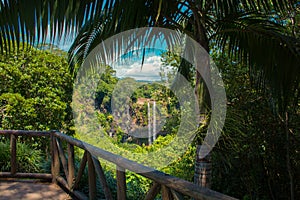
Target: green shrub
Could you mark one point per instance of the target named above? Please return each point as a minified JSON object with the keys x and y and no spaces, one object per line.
{"x":4,"y":156}
{"x":28,"y":159}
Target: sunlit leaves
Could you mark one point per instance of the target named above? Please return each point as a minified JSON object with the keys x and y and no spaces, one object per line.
{"x":35,"y":91}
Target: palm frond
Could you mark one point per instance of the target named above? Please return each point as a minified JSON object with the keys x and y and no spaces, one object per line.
{"x":273,"y":57}
{"x":31,"y":21}
{"x":125,"y":15}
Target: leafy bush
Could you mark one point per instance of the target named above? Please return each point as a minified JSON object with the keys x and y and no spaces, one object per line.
{"x":4,"y":156}
{"x":28,"y":160}
{"x":35,"y":91}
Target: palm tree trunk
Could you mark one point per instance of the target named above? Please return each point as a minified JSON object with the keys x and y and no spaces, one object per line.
{"x":203,"y":169}
{"x":203,"y":166}
{"x":288,"y":160}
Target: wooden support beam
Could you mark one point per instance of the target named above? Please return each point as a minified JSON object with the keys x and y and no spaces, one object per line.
{"x":13,"y":154}
{"x":176,"y":195}
{"x":71,"y":167}
{"x":92,"y":177}
{"x":62,"y":157}
{"x":102,"y":178}
{"x":165,"y":193}
{"x":80,"y":195}
{"x":121,"y":183}
{"x":65,"y":186}
{"x":80,"y":170}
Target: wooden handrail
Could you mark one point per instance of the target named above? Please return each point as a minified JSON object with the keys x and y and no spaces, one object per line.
{"x":25,"y":133}
{"x":170,"y":186}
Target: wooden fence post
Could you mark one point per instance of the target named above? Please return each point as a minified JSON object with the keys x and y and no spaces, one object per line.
{"x":13,"y":153}
{"x":121,"y":183}
{"x":203,"y":167}
{"x":71,"y":167}
{"x":55,"y":165}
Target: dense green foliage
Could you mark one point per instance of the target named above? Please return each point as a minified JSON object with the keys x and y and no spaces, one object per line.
{"x":252,"y":158}
{"x":35,"y":94}
{"x":35,"y":91}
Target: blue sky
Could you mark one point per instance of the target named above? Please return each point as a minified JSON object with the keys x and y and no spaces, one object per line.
{"x":130,"y":65}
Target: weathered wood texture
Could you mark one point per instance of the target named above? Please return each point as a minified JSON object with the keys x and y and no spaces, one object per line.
{"x":154,"y":190}
{"x":13,"y":154}
{"x":71,"y":165}
{"x":25,"y":133}
{"x":165,"y":193}
{"x":102,"y":178}
{"x":121,"y":183}
{"x":55,"y":164}
{"x":80,"y":170}
{"x":44,"y":176}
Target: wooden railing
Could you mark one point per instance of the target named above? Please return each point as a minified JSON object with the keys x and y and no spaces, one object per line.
{"x":170,"y":187}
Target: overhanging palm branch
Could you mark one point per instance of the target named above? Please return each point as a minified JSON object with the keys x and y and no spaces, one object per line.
{"x":143,"y":14}
{"x":31,"y":21}
{"x":273,"y":57}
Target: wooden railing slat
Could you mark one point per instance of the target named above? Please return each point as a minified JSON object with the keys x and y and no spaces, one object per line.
{"x":121,"y":183}
{"x":102,"y":178}
{"x":91,"y":177}
{"x":165,"y":193}
{"x":44,"y":176}
{"x":153,"y":191}
{"x":62,"y":158}
{"x":176,"y":195}
{"x":80,"y":170}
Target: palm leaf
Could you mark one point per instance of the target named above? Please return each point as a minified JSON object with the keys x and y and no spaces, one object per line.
{"x":125,"y":15}
{"x":31,"y":21}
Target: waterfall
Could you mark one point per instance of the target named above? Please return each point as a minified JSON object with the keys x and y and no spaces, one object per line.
{"x":149,"y":124}
{"x":154,"y":120}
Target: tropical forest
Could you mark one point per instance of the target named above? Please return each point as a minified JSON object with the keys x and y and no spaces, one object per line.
{"x":152,"y":99}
